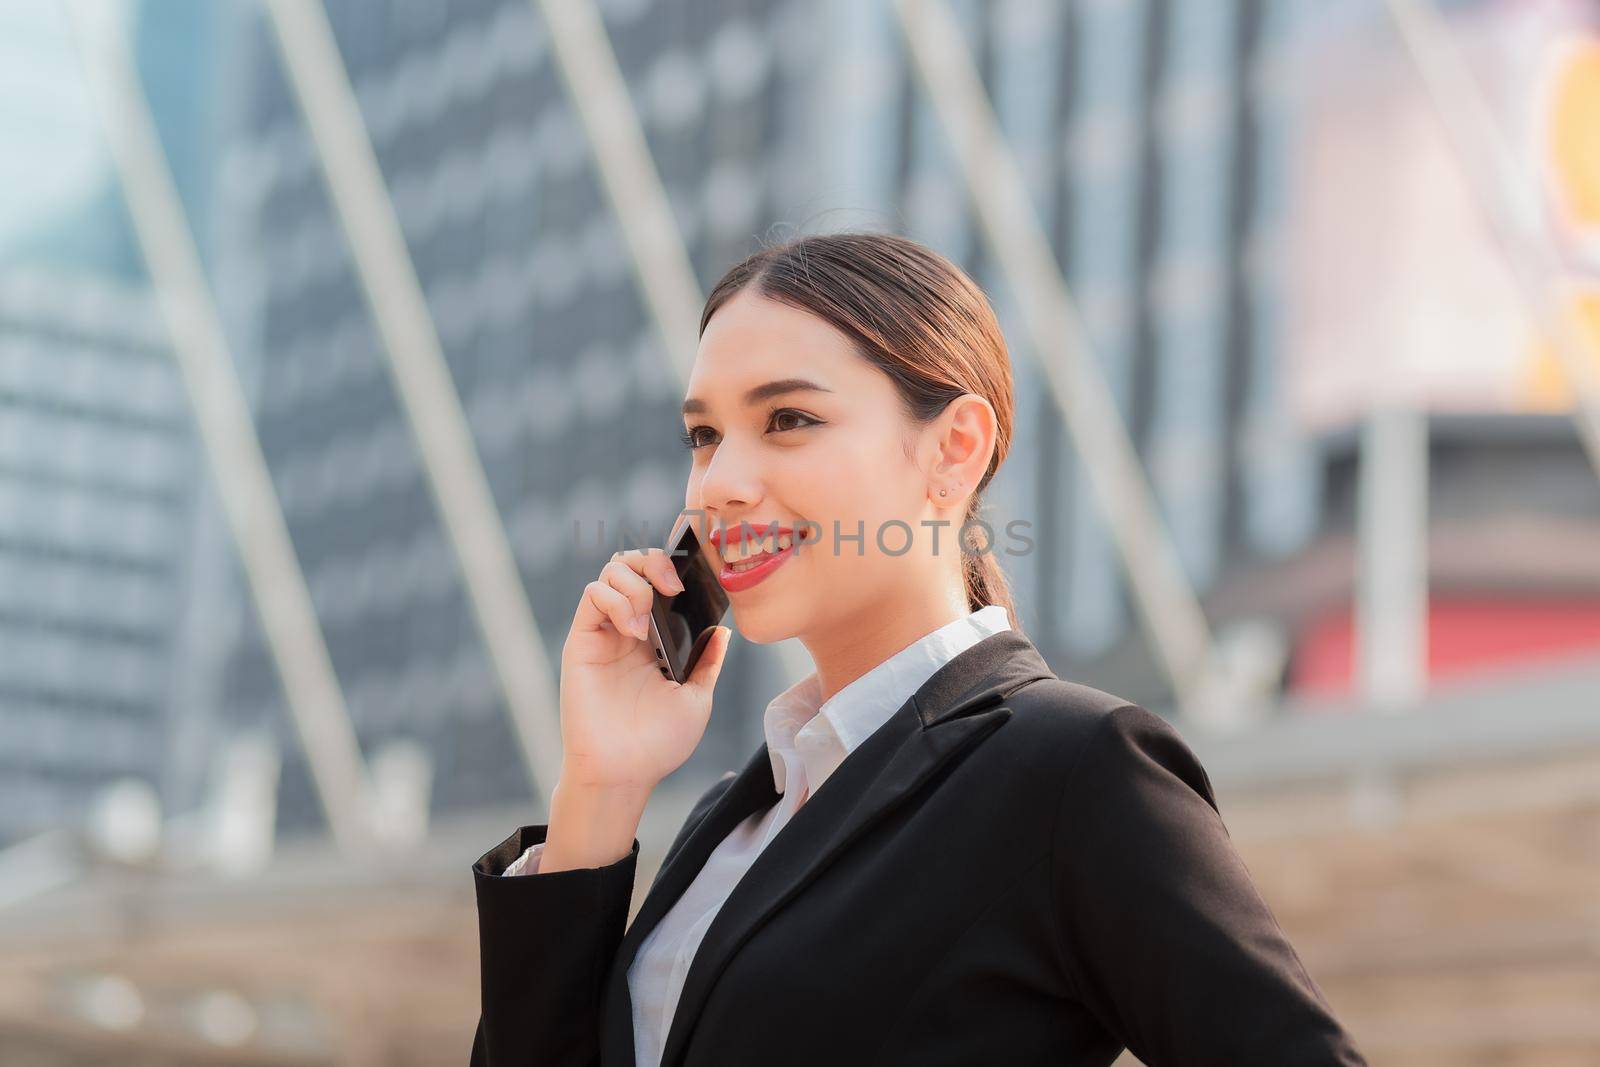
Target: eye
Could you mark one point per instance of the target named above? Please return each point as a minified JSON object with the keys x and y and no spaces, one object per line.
{"x":691,"y":438}
{"x":809,"y":421}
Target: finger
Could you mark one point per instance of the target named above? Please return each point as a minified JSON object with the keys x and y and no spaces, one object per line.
{"x":655,"y":566}
{"x":602,"y":603}
{"x":704,"y":675}
{"x":663,"y":572}
{"x":623,"y":575}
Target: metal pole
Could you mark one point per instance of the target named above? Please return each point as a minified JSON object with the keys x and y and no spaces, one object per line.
{"x":222,"y":416}
{"x":1167,"y":602}
{"x":628,"y":174}
{"x":1482,"y":151}
{"x":422,"y":377}
{"x":599,"y":96}
{"x":1391,"y":622}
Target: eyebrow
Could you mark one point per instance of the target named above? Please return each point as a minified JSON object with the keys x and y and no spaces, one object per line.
{"x":694,"y":406}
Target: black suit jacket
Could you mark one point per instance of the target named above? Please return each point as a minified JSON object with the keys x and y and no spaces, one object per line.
{"x":1014,"y":869}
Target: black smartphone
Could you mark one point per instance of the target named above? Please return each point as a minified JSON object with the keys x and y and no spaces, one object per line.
{"x":681,"y":625}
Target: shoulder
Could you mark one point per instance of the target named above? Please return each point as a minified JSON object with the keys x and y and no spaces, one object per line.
{"x":1098,"y":742}
{"x":1058,"y":717}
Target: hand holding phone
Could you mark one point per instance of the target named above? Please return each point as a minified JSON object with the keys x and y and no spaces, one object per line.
{"x":639,"y":666}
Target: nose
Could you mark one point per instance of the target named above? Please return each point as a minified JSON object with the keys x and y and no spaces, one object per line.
{"x":731,"y":481}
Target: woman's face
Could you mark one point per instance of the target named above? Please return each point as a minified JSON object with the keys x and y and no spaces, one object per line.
{"x":831,"y":451}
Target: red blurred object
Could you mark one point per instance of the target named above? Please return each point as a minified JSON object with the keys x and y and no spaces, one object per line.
{"x":1466,"y":635}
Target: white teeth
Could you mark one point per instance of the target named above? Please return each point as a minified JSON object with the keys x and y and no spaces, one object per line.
{"x":740,"y":568}
{"x":755,"y":549}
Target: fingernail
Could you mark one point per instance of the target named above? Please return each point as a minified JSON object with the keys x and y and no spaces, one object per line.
{"x":641,"y":626}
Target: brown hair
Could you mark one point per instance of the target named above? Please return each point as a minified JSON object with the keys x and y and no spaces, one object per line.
{"x":917,"y":317}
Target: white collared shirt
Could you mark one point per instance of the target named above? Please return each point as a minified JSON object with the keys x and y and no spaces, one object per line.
{"x":806,"y":744}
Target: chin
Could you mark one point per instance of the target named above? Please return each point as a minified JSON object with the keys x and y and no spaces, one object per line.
{"x":763,"y":626}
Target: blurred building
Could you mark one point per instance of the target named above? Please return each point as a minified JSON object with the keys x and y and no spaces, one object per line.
{"x":98,"y":462}
{"x":96,"y":491}
{"x":1405,"y":296}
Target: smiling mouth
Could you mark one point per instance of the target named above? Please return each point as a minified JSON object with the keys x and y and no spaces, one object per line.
{"x":747,"y":573}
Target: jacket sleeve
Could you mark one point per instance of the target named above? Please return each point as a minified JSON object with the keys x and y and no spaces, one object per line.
{"x":1162,"y":929}
{"x":546,"y":942}
{"x":545,"y":945}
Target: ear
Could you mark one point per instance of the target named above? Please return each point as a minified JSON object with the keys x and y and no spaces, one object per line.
{"x":963,"y":442}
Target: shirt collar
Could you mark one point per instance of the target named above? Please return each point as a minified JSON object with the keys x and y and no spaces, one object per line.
{"x":818,"y":738}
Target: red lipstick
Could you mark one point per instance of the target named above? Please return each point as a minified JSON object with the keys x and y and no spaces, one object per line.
{"x":738,"y":581}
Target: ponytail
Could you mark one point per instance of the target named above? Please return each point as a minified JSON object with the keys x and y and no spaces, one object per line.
{"x":986,"y":583}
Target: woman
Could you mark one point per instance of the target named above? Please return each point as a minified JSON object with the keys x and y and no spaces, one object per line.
{"x":978,"y":863}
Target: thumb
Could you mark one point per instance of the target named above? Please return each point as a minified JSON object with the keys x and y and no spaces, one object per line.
{"x":704,"y":675}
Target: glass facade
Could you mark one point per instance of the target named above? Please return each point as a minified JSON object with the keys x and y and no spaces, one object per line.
{"x":99,"y":467}
{"x":96,"y":501}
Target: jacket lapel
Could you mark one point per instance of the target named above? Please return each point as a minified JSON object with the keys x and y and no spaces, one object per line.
{"x":950,"y":714}
{"x":751,"y":791}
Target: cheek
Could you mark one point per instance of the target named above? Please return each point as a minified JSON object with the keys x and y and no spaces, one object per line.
{"x":836,"y":492}
{"x":871,"y":483}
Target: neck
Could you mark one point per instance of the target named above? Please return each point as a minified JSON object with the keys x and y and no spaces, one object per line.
{"x":845,"y":653}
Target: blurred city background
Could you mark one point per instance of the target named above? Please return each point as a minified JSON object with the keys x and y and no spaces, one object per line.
{"x":323,"y":324}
